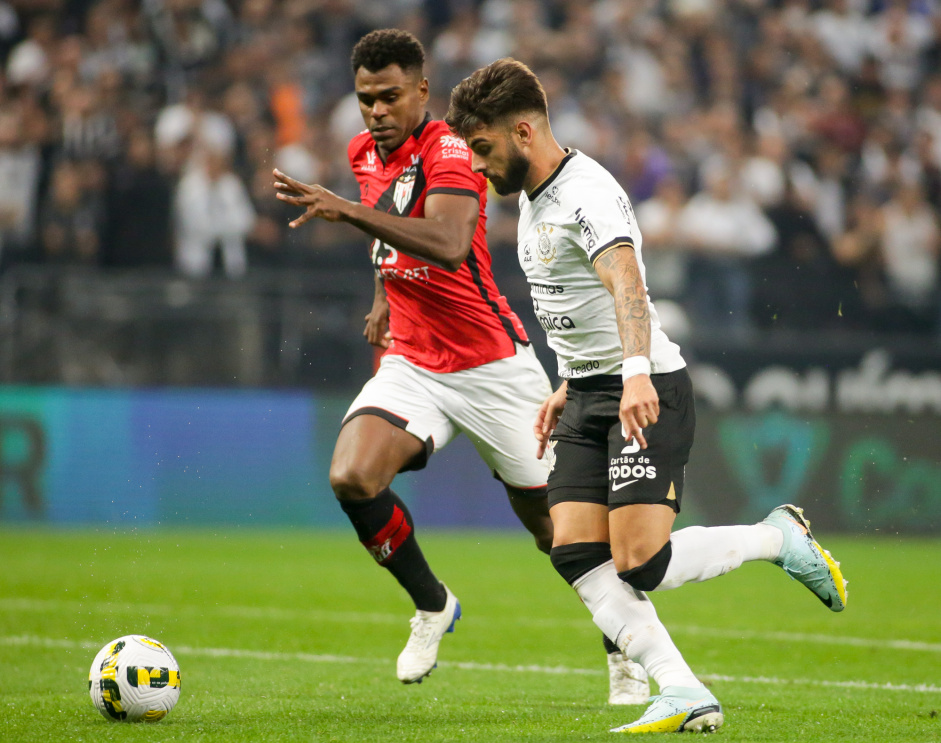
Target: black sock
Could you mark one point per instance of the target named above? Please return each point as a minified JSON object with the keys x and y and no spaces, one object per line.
{"x":610,"y":647}
{"x":384,"y":526}
{"x":572,"y":561}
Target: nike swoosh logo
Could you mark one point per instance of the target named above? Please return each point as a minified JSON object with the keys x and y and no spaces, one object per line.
{"x":828,"y":601}
{"x":619,"y":485}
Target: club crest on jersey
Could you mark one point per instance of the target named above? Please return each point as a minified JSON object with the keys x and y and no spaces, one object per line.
{"x":403,"y":190}
{"x":545,"y":249}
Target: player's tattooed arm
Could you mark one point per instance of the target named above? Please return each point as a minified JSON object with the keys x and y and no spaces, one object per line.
{"x":620,"y":274}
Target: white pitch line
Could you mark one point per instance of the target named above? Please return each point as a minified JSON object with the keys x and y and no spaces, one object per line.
{"x":859,"y":642}
{"x":184,"y":650}
{"x":347,"y":617}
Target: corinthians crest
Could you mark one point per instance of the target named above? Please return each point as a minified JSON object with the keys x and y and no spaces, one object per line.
{"x":403,"y":190}
{"x":545,"y":250}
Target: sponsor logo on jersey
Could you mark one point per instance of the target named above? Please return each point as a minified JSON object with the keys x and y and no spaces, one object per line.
{"x":452,"y":146}
{"x":384,"y":258}
{"x":627,"y":468}
{"x":588,"y":230}
{"x":580,"y":370}
{"x":627,"y":211}
{"x":370,"y":165}
{"x":547,"y":288}
{"x":550,"y":321}
{"x":556,"y":322}
{"x":545,"y":249}
{"x":527,"y":253}
{"x":403,"y":190}
{"x":418,"y":273}
{"x":552,"y":195}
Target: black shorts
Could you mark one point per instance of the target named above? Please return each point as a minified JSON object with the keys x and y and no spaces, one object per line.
{"x":594,"y":464}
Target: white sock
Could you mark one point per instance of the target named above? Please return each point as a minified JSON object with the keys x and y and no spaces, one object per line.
{"x":701,"y":553}
{"x":629,"y":618}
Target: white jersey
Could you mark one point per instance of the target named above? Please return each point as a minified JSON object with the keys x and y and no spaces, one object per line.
{"x":574,"y":216}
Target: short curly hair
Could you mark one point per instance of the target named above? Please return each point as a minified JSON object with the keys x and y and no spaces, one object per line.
{"x":387,"y":46}
{"x":492,"y":93}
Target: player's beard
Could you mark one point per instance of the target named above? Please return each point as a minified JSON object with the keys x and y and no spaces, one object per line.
{"x":517,"y":168}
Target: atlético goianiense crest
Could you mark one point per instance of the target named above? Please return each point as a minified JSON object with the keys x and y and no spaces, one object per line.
{"x":403,"y":191}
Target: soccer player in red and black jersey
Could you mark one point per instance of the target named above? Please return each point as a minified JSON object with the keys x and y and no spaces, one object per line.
{"x":457,"y":358}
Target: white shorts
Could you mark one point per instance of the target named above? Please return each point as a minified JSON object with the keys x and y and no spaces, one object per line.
{"x":494,"y":404}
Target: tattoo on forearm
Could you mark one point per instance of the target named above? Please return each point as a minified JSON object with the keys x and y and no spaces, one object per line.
{"x":630,"y":300}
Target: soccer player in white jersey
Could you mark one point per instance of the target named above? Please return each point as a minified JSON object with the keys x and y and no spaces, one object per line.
{"x":619,"y":429}
{"x":456,"y":359}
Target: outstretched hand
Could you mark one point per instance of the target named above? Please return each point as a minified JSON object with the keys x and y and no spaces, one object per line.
{"x":317,"y":200}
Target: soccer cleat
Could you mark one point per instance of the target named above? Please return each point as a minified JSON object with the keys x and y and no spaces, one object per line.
{"x":679,"y":709}
{"x":628,"y":680}
{"x":420,"y":655}
{"x":805,"y":560}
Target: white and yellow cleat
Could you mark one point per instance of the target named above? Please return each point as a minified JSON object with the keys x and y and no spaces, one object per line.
{"x":627,"y":680}
{"x":805,"y":560}
{"x":420,"y":655}
{"x":679,"y":709}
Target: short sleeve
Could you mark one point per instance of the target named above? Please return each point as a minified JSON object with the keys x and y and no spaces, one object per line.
{"x":448,"y":168}
{"x":606,"y":220}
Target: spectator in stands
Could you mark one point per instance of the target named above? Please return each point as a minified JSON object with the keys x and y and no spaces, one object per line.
{"x":71,"y":218}
{"x":844,"y":33}
{"x":724,"y":231}
{"x":665,"y":249}
{"x":857,"y":251}
{"x":137,"y":231}
{"x":924,"y":154}
{"x":644,"y":166}
{"x":837,"y":95}
{"x":798,"y":285}
{"x":30,"y":61}
{"x":910,"y":245}
{"x":213,"y":213}
{"x":20,"y":165}
{"x":825,"y":188}
{"x":113,"y":42}
{"x":899,"y":38}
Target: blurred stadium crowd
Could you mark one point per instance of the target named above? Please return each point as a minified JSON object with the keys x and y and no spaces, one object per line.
{"x":783,"y":156}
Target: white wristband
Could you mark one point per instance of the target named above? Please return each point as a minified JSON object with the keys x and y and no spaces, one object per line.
{"x":634,"y":365}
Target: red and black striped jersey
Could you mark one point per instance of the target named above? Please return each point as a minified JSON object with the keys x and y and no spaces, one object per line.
{"x":440,"y":321}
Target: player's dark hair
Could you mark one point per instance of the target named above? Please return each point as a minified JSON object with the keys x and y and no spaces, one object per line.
{"x":492,"y":93}
{"x":387,"y":46}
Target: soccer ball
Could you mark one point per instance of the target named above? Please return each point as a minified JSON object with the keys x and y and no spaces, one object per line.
{"x":134,"y":679}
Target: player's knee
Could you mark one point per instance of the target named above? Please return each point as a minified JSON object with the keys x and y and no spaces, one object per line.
{"x":649,"y":575}
{"x":349,"y":483}
{"x":572,"y":561}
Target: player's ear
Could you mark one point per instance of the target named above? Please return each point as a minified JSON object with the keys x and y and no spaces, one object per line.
{"x":523,"y":133}
{"x":423,"y":90}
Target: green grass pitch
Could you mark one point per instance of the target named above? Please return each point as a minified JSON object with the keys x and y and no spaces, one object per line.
{"x":292,"y":636}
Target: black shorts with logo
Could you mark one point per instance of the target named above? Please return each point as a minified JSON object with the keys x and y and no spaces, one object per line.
{"x":591,"y":461}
